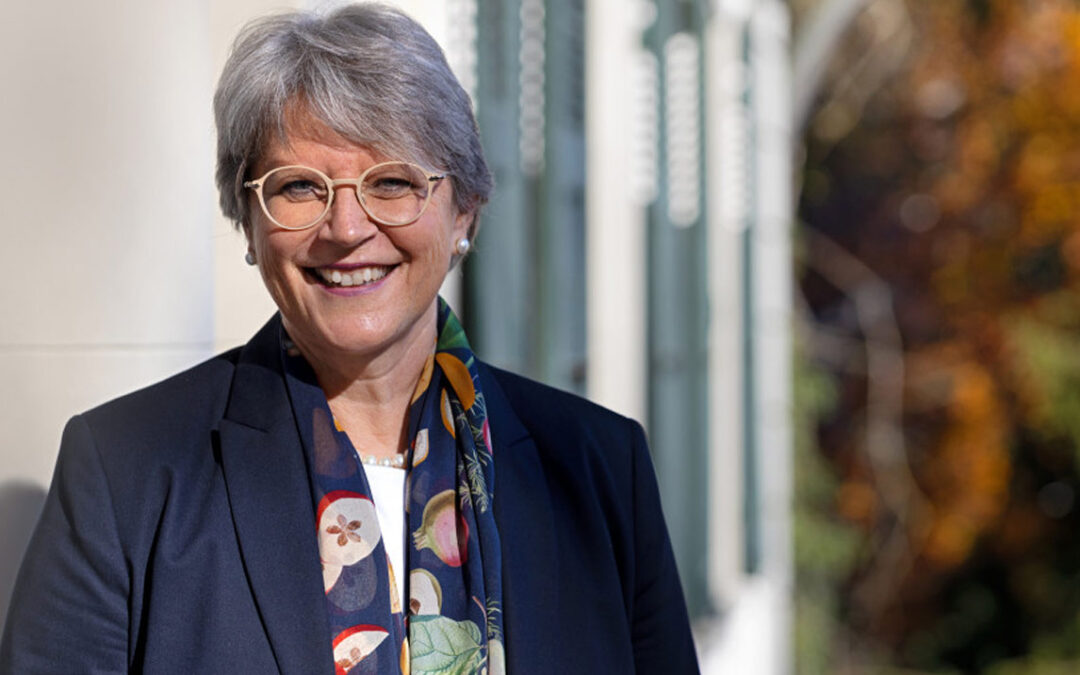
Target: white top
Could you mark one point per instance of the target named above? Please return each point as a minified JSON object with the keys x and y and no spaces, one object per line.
{"x":388,"y":492}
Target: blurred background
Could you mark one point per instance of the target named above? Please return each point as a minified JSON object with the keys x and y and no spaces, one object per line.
{"x":937,"y":259}
{"x":825,"y":250}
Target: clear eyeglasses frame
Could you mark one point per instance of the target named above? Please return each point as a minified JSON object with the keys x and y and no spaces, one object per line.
{"x":297,"y":197}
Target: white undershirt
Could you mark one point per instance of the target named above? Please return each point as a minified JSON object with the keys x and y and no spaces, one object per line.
{"x":388,"y":492}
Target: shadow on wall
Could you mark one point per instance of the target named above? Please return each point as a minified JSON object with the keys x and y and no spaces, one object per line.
{"x":20,"y":506}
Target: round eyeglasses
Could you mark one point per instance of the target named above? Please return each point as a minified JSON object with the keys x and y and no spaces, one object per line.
{"x":391,"y":193}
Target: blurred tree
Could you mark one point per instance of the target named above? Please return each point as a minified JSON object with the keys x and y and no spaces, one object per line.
{"x":941,"y":279}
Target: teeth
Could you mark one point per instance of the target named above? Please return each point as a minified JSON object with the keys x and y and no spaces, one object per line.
{"x":358,"y":277}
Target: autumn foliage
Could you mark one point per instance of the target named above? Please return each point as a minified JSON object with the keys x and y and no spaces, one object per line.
{"x":941,"y":274}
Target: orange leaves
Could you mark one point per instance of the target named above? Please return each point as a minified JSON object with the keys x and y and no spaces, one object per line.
{"x":1017,"y":137}
{"x":857,"y":501}
{"x":950,"y":540}
{"x":967,"y":476}
{"x":1037,"y":163}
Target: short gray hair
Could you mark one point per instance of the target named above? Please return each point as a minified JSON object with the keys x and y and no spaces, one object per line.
{"x":367,"y":71}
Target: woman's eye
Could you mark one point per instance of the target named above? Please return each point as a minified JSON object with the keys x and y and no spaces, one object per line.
{"x":302,"y":190}
{"x":389,"y":186}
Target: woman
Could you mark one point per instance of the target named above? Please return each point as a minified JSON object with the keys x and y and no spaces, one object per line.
{"x":352,"y":490}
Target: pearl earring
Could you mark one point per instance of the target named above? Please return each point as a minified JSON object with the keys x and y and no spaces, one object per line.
{"x":463,"y":246}
{"x":249,"y":257}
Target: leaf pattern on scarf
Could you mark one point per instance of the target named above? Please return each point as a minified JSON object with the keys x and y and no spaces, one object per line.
{"x":442,"y":646}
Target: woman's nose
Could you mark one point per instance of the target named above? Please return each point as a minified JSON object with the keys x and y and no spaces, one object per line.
{"x":348,"y":223}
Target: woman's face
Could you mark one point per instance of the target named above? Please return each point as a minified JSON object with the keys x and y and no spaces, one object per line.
{"x":405,"y":264}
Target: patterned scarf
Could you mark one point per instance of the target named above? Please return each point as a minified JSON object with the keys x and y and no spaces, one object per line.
{"x":454,"y":621}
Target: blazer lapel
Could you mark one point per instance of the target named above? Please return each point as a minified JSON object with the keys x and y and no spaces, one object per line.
{"x":526,"y":530}
{"x":266,"y":479}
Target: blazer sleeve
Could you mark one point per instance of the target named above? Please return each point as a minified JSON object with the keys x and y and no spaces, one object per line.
{"x":660,"y":626}
{"x":69,"y":610}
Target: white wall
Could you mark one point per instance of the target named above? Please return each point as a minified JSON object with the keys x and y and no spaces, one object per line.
{"x":107,"y":210}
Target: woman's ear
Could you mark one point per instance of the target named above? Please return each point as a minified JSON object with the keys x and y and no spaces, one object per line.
{"x":462,"y":243}
{"x":463,"y":224}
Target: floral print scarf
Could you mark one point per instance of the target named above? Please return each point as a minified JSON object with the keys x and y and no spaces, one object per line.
{"x":453,"y":621}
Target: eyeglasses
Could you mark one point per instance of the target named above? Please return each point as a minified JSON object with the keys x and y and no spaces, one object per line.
{"x":391,"y":193}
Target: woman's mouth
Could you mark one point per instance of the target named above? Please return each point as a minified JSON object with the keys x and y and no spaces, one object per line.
{"x":359,"y":276}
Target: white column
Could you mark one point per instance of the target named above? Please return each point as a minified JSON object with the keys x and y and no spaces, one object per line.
{"x":752,"y":184}
{"x":727,"y":162}
{"x":773,"y":280}
{"x":615,"y":194}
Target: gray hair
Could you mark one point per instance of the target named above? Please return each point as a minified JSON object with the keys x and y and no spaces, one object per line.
{"x":370,"y":73}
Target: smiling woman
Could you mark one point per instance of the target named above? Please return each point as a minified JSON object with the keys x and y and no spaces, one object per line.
{"x":386,"y":323}
{"x":353,"y":490}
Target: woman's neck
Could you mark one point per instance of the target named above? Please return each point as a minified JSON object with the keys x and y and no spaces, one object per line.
{"x":370,"y":396}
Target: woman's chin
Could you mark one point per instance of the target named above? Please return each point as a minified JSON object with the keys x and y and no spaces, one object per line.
{"x":337,"y":336}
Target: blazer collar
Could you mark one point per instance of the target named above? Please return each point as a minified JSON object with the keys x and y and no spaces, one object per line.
{"x":269,"y":494}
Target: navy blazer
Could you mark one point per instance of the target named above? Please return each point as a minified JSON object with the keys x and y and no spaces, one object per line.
{"x":178,"y":536}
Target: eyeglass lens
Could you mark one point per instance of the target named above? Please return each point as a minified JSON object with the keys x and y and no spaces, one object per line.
{"x":393,"y":193}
